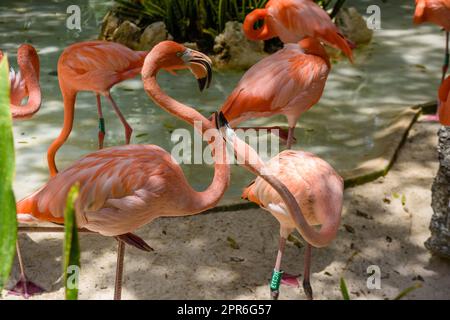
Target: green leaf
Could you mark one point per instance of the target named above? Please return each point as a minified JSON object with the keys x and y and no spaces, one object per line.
{"x":407,"y":291}
{"x":344,"y":290}
{"x":71,"y":247}
{"x":8,"y":220}
{"x":232,"y":243}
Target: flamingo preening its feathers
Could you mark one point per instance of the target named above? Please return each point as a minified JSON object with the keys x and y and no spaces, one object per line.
{"x":24,"y":84}
{"x":294,"y":20}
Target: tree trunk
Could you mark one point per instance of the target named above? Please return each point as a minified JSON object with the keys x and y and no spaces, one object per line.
{"x":439,"y":242}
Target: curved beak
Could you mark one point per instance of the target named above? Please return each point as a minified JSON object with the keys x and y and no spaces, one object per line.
{"x":200,"y":65}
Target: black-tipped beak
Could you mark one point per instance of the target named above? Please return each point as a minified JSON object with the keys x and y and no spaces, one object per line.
{"x":202,"y":83}
{"x":221,"y":121}
{"x":205,"y":81}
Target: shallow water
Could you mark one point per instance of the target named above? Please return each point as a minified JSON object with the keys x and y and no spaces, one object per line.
{"x":399,"y":69}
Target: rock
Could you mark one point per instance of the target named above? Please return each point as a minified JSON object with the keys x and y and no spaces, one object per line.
{"x":353,"y":26}
{"x":233,"y":50}
{"x":127,"y":34}
{"x":439,"y":242}
{"x":152,"y":35}
{"x":110,"y":23}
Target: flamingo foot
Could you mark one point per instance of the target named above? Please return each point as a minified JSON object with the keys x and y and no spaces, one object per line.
{"x":308,"y":290}
{"x":431,"y":118}
{"x":290,"y":280}
{"x":25,"y":288}
{"x":274,"y":294}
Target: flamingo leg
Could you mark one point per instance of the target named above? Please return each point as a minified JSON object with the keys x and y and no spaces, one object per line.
{"x":24,"y":287}
{"x":101,"y":123}
{"x":132,"y":240}
{"x":291,"y":138}
{"x":277,"y":273}
{"x":307,"y":271}
{"x":128,"y":129}
{"x":119,"y":270}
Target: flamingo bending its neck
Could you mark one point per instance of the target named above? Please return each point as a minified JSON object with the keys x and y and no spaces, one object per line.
{"x":293,"y":20}
{"x":288,"y":82}
{"x":313,"y":196}
{"x":25,"y":83}
{"x":123,"y":188}
{"x":93,"y":66}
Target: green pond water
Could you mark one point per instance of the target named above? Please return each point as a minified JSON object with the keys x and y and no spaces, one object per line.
{"x":399,"y":69}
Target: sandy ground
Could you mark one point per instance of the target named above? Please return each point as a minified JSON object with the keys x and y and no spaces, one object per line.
{"x":384,"y":223}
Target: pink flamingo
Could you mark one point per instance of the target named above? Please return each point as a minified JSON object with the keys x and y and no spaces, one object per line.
{"x":93,"y":66}
{"x":288,"y":82}
{"x":444,"y":102}
{"x":293,"y":20}
{"x":123,"y":188}
{"x":25,"y":83}
{"x":309,"y":181}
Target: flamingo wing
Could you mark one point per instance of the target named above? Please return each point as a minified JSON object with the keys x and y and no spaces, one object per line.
{"x":101,"y":55}
{"x":312,"y":181}
{"x":116,"y":182}
{"x":299,"y":18}
{"x":295,"y":19}
{"x":99,"y":64}
{"x":446,"y":3}
{"x":288,"y":79}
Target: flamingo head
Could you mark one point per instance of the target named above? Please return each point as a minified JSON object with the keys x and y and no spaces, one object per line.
{"x":172,"y":56}
{"x":314,"y":47}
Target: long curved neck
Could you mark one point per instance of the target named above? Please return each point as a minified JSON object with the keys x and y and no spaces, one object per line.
{"x":254,"y":164}
{"x":29,"y":69}
{"x":69,"y":98}
{"x":263,"y":33}
{"x":207,"y":199}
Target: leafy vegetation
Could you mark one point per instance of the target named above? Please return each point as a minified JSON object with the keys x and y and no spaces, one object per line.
{"x":344,"y":290}
{"x":71,"y":247}
{"x":197,"y":20}
{"x":8,"y":221}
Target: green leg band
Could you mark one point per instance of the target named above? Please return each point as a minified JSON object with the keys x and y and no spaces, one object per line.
{"x":101,"y":125}
{"x":276,"y":280}
{"x":446,"y":60}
